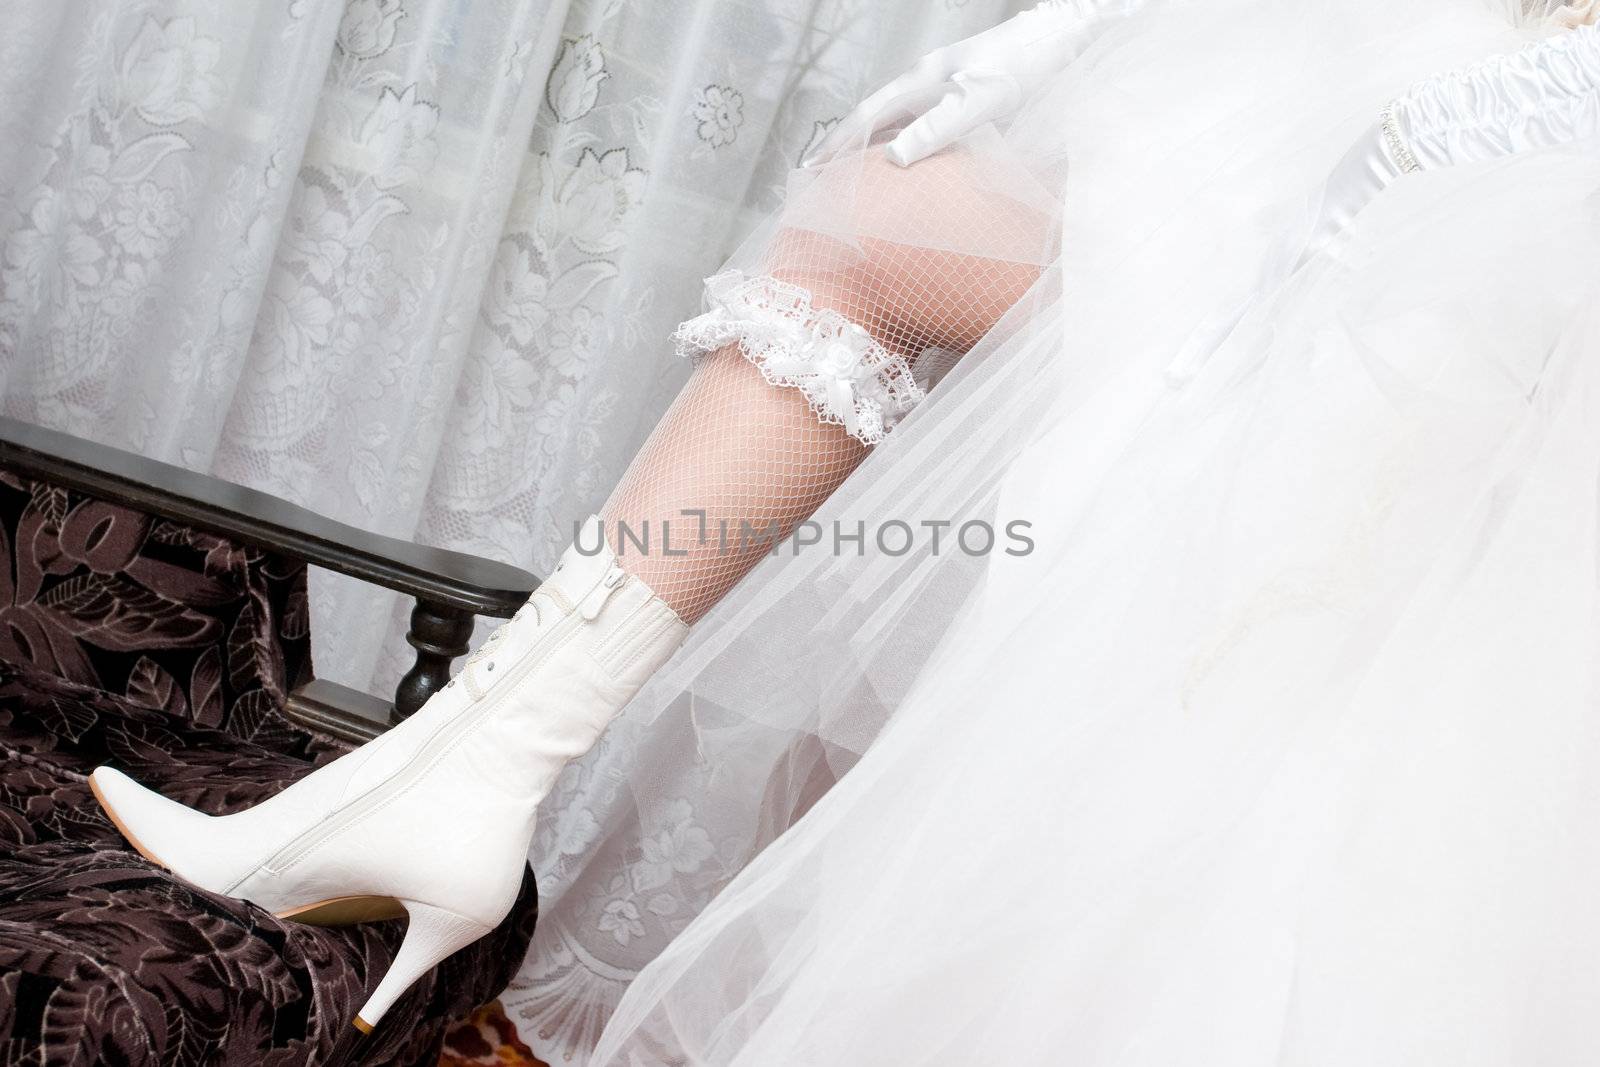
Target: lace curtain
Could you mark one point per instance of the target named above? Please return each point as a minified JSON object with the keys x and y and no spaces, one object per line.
{"x":412,"y":263}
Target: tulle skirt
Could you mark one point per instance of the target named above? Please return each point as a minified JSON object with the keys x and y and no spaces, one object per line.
{"x":1278,"y":747}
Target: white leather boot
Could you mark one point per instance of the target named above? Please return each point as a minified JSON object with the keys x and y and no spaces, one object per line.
{"x":434,"y":818}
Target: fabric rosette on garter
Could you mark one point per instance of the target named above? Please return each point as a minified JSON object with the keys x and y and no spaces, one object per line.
{"x":847,"y":377}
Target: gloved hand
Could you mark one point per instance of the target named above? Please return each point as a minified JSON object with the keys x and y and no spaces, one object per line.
{"x":984,"y":78}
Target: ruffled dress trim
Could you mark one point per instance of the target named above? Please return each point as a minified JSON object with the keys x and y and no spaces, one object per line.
{"x":1545,"y":95}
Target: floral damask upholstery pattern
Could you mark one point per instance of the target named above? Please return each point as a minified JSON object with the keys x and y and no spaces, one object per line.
{"x":165,"y":615}
{"x":167,"y":652}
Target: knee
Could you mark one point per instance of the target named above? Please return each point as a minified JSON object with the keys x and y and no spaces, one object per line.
{"x":932,"y":253}
{"x":945,"y":249}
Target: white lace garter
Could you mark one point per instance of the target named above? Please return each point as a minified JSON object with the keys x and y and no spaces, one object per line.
{"x":848,"y":378}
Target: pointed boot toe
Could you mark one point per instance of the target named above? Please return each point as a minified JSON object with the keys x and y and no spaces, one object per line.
{"x":161,"y":830}
{"x":434,"y":818}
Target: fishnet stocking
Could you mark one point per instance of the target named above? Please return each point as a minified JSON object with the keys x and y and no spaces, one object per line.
{"x":754,"y":458}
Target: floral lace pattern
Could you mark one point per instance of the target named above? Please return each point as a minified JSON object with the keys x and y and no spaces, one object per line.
{"x":414,"y":266}
{"x":848,"y":378}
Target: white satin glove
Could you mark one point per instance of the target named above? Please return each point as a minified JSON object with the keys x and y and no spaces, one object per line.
{"x":984,"y":78}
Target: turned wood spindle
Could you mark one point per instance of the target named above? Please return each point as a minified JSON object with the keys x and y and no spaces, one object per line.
{"x":439,"y":634}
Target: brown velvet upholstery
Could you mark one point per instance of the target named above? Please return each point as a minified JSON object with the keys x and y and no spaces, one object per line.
{"x":168,"y":652}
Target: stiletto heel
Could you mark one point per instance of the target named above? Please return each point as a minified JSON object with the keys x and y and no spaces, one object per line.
{"x":432,"y":935}
{"x":441,"y":808}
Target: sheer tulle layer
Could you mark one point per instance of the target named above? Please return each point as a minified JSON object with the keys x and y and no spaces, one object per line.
{"x":1183,"y":160}
{"x":1283,"y":753}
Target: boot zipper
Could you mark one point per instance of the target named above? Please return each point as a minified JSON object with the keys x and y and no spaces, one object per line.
{"x":596,"y":598}
{"x":418,"y":765}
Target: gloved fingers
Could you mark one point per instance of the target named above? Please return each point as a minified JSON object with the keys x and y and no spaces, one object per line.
{"x":864,"y":119}
{"x":973,"y":98}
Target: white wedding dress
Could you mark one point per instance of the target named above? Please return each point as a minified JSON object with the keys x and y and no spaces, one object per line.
{"x":1282,"y":746}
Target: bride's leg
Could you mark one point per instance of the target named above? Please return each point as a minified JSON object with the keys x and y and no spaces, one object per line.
{"x":737,"y":459}
{"x":739,"y":450}
{"x":361,"y":837}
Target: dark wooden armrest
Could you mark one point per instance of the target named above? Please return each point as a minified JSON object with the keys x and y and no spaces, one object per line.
{"x":450,"y":587}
